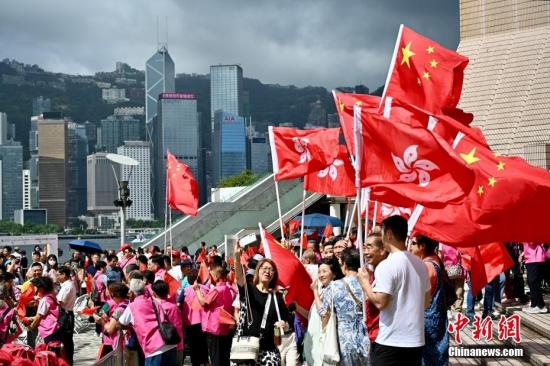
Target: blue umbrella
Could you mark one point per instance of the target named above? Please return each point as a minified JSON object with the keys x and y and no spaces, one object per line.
{"x":320,"y":220}
{"x":85,"y":246}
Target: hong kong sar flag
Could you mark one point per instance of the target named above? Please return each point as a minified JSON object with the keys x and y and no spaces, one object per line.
{"x":404,"y":164}
{"x":337,"y":179}
{"x":298,"y":152}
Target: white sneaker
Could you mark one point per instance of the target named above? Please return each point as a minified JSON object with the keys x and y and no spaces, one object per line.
{"x":530,"y":310}
{"x":543,"y":310}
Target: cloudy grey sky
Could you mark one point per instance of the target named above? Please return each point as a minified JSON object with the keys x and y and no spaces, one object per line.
{"x":300,"y":42}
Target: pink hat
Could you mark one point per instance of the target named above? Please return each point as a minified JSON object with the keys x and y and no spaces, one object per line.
{"x":125,"y":246}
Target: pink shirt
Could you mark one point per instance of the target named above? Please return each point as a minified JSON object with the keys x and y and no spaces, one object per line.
{"x":174,"y":316}
{"x":533,"y":253}
{"x":159,"y":275}
{"x":192,"y":311}
{"x":6,"y":320}
{"x":451,"y":256}
{"x":220,"y":297}
{"x":49,"y":310}
{"x":99,"y":280}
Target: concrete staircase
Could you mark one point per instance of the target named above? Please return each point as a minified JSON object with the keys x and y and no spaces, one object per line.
{"x":241,"y":214}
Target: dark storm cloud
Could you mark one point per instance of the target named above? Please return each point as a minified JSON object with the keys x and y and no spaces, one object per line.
{"x":305,"y":42}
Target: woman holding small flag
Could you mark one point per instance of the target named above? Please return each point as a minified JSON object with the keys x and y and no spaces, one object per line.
{"x":263,"y":311}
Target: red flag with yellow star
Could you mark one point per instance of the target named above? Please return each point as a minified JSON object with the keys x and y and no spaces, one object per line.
{"x":182,"y":190}
{"x":344,"y":106}
{"x":427,"y":75}
{"x":508,"y":202}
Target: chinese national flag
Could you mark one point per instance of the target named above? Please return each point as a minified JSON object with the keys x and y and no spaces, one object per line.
{"x":344,"y":106}
{"x":508,"y":202}
{"x":298,"y":152}
{"x":293,"y":225}
{"x":173,"y":286}
{"x":182,"y":192}
{"x":328,"y":231}
{"x":204,"y":273}
{"x":337,"y":179}
{"x":292,"y":273}
{"x":425,"y":74}
{"x":27,"y":295}
{"x":485,"y":262}
{"x":404,"y":163}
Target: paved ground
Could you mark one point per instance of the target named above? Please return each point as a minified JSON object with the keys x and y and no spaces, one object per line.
{"x":86,"y":345}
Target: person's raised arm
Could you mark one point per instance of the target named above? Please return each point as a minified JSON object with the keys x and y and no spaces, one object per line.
{"x":239,"y":275}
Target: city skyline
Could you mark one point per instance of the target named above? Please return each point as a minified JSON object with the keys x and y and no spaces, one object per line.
{"x":308,"y":43}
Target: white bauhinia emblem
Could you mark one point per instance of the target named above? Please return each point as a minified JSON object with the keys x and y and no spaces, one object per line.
{"x":331,"y":170}
{"x":412,"y":169}
{"x":389,"y":210}
{"x":300,"y":145}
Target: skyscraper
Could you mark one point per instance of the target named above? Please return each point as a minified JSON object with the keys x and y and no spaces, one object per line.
{"x":176,"y":128}
{"x":33,"y":161}
{"x":40,"y":105}
{"x":140,"y":179}
{"x":52,"y":169}
{"x":160,"y":77}
{"x":26,"y":184}
{"x":102,"y":187}
{"x":226,"y":89}
{"x":114,"y":130}
{"x":11,"y":165}
{"x":3,"y":128}
{"x":77,"y":146}
{"x":228,"y":146}
{"x":260,"y":159}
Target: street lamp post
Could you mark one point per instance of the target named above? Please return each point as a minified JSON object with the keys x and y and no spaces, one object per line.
{"x":123,"y":200}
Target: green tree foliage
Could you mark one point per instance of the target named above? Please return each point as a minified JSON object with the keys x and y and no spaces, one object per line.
{"x":11,"y":228}
{"x":246,"y":178}
{"x":139,"y":224}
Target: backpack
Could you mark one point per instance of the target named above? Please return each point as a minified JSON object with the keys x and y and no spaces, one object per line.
{"x":94,"y":293}
{"x":448,"y":288}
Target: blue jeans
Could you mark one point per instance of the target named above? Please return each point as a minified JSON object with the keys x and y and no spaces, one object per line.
{"x":488,"y":299}
{"x":165,"y":358}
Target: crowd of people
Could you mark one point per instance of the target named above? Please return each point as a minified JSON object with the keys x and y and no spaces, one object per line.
{"x":163,"y":306}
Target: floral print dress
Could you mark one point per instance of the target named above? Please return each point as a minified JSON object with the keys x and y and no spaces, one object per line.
{"x":353,"y":337}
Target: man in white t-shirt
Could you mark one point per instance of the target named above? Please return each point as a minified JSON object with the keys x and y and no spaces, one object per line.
{"x":67,"y":298}
{"x":401,"y":292}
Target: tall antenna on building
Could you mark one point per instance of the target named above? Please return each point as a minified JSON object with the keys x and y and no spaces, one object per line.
{"x":166,"y":24}
{"x":158,"y":41}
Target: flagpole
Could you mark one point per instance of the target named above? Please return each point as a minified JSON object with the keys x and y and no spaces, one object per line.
{"x":351,"y":216}
{"x":358,"y":154}
{"x":392,"y":65}
{"x":279,"y":208}
{"x":167,"y":187}
{"x":170,"y":228}
{"x":303,"y":219}
{"x":367,"y":204}
{"x":375,"y":215}
{"x":347,"y":214}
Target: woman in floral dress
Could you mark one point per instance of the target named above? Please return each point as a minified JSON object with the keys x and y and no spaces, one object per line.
{"x":347,"y":297}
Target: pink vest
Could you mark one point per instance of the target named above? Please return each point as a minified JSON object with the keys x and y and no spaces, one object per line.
{"x":159,"y":275}
{"x":224,"y":300}
{"x":174,"y":316}
{"x":124,"y":261}
{"x":48,"y":324}
{"x":533,"y":253}
{"x":100,"y":285}
{"x":4,"y":324}
{"x":451,"y":255}
{"x":146,"y":325}
{"x":192,"y":311}
{"x":111,"y":340}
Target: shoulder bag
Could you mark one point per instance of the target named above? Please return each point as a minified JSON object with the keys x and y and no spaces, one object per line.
{"x":167,"y":330}
{"x":331,"y":348}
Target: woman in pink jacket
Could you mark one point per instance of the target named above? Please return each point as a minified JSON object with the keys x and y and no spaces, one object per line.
{"x":173,"y":313}
{"x":534,"y":257}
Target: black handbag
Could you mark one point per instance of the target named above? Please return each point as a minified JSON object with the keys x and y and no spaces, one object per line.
{"x":167,"y":330}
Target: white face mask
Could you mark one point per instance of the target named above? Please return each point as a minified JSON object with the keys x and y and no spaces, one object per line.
{"x":51,"y":262}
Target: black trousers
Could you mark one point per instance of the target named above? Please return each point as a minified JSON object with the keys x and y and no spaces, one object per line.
{"x":534,"y":280}
{"x":198,"y":348}
{"x":68,"y":341}
{"x":396,"y":356}
{"x":219,"y":349}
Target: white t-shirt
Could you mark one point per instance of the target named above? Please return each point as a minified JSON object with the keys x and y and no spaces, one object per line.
{"x":176,"y":272}
{"x":67,"y":295}
{"x":405,"y":277}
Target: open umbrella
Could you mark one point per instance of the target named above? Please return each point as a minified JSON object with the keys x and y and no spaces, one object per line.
{"x":320,"y":220}
{"x":85,"y":246}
